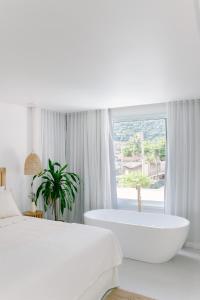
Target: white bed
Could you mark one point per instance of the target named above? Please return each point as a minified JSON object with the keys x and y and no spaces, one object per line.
{"x":46,"y":260}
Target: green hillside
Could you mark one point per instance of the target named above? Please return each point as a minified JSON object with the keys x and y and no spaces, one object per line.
{"x":152,"y":129}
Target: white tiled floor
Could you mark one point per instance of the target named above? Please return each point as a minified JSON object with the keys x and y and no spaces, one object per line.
{"x":178,"y":279}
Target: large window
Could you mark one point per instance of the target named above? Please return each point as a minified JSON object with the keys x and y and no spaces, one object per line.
{"x":140,"y":159}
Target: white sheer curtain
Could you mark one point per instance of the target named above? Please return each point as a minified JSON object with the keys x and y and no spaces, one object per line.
{"x":53,"y":140}
{"x":53,"y":136}
{"x":90,"y":154}
{"x":84,"y":141}
{"x":183,"y":179}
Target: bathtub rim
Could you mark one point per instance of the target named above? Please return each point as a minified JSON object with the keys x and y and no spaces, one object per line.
{"x":186,"y":222}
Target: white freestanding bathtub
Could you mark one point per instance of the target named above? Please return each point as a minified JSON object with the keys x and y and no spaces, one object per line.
{"x":148,"y":237}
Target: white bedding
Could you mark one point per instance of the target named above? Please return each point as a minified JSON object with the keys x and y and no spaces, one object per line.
{"x":42,"y":260}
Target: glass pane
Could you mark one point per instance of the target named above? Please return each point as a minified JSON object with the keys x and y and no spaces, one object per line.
{"x":140,"y":158}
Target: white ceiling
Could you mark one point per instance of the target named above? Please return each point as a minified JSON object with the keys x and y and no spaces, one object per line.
{"x":85,"y":54}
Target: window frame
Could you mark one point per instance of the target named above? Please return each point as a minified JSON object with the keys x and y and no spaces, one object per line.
{"x":143,"y":113}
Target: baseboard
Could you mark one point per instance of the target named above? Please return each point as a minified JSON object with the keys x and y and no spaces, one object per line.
{"x":193,"y":245}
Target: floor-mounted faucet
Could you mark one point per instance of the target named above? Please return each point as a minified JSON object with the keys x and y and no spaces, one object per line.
{"x":139,"y":199}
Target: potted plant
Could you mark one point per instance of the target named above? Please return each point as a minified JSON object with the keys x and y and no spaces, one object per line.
{"x":58,"y":188}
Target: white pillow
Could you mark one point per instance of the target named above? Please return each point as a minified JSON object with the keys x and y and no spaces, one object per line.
{"x":8,"y":207}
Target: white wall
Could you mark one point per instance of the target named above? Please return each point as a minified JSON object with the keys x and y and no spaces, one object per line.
{"x":13,"y":149}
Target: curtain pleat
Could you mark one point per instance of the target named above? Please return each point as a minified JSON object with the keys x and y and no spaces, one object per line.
{"x":90,"y":154}
{"x":53,"y":126}
{"x":183,"y":172}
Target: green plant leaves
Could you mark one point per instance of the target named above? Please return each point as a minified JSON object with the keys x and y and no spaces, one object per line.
{"x":58,"y":184}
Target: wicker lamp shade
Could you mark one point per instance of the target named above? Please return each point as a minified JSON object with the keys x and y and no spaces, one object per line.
{"x":32,"y":165}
